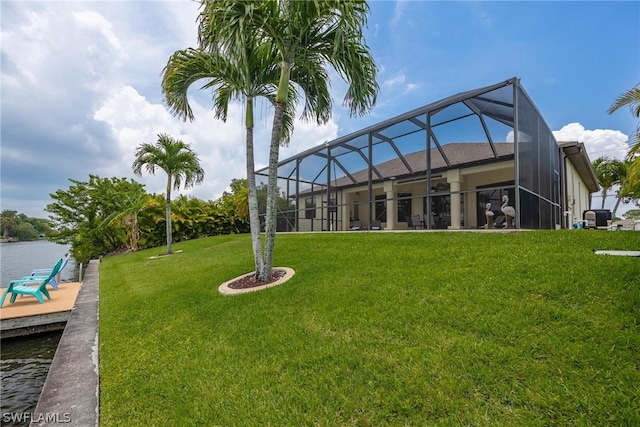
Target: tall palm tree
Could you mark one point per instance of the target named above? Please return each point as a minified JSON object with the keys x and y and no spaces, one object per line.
{"x":177,"y":159}
{"x":255,"y":75}
{"x":308,"y":36}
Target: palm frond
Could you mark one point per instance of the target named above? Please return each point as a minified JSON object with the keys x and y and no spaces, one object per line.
{"x":630,"y":98}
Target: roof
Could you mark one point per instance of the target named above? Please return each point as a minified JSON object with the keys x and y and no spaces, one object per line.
{"x":462,"y":129}
{"x":461,"y":154}
{"x":577,"y":155}
{"x":490,"y":107}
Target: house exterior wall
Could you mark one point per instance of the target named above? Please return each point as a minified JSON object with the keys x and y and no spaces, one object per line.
{"x":578,"y":196}
{"x":353,"y":204}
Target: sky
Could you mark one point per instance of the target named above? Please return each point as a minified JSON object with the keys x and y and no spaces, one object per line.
{"x":80,"y":83}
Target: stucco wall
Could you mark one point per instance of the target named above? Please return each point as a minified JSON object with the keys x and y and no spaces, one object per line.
{"x":578,"y":197}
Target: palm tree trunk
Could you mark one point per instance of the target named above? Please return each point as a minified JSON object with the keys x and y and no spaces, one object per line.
{"x":615,"y":208}
{"x":254,"y":218}
{"x":168,"y":219}
{"x":604,"y":196}
{"x":272,"y":192}
{"x":272,"y":182}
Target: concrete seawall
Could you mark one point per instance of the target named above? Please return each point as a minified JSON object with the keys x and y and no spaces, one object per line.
{"x":70,"y":395}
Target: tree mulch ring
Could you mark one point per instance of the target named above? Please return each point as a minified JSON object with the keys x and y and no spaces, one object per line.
{"x":245,"y":282}
{"x":248,"y":282}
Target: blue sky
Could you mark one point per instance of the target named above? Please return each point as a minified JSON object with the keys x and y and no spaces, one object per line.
{"x":80,"y":82}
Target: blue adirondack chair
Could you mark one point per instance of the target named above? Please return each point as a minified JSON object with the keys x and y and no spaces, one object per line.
{"x":41,"y":273}
{"x":21,"y":286}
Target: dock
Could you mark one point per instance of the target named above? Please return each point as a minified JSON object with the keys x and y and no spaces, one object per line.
{"x":70,"y":395}
{"x":27,"y":316}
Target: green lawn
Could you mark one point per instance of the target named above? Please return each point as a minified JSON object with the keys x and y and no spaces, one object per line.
{"x":401,"y":329}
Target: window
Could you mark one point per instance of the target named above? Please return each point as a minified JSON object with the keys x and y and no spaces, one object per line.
{"x":381,"y":208}
{"x":310,"y":208}
{"x":404,"y":206}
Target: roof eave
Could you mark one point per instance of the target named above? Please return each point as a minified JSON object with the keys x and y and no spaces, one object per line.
{"x":577,"y":154}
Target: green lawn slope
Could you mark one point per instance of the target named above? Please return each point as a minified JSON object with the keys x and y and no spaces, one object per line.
{"x":376,"y":329}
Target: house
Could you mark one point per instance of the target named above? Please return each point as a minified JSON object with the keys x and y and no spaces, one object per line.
{"x":447,"y":162}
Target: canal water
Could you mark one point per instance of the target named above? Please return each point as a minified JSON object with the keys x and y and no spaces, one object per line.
{"x":24,"y":362}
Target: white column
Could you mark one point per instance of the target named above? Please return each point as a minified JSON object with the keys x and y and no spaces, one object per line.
{"x":343,"y":219}
{"x":453,"y":178}
{"x":392,"y":204}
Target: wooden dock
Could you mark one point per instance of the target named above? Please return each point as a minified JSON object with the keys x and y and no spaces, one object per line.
{"x":26,"y":315}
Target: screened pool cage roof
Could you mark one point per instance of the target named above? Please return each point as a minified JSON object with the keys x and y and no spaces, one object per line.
{"x":471,"y":127}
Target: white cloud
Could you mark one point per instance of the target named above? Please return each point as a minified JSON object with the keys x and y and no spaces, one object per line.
{"x":94,"y":21}
{"x":376,"y":29}
{"x":57,"y":47}
{"x":126,"y":109}
{"x":28,"y":37}
{"x":398,"y":13}
{"x":598,"y":142}
{"x":482,"y":16}
{"x":522,"y":137}
{"x":134,"y":120}
{"x":411,"y":87}
{"x":397,"y":80}
{"x":307,"y":135}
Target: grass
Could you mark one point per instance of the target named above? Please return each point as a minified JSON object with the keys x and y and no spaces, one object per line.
{"x":524,"y":329}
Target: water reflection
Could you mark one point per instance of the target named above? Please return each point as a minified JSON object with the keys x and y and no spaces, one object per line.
{"x":24,"y":363}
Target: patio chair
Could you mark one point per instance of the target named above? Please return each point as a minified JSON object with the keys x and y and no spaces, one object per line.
{"x":355,"y":225}
{"x":21,"y":286}
{"x":376,"y":225}
{"x":590,"y":217}
{"x":414,"y":222}
{"x":43,"y":272}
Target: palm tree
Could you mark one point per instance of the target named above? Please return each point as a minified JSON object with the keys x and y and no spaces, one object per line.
{"x":307,"y":36}
{"x":622,"y":172}
{"x":631,"y":183}
{"x":610,"y":172}
{"x":179,"y":162}
{"x":630,"y":189}
{"x":128,"y":216}
{"x":256,"y":76}
{"x":9,"y":222}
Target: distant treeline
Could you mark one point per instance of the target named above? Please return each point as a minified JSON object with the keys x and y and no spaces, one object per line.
{"x":19,"y":227}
